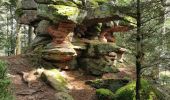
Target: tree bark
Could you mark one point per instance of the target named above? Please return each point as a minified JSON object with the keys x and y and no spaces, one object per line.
{"x":18,"y":40}
{"x":30,"y":35}
{"x":7,"y":32}
{"x":12,"y":45}
{"x":139,"y":55}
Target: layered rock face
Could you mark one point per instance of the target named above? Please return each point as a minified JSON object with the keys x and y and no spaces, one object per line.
{"x":75,"y":33}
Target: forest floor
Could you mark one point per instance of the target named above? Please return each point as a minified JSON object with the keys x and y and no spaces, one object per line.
{"x":42,"y":91}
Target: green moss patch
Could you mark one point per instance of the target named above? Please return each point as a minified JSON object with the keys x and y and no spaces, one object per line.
{"x":55,"y":79}
{"x":128,"y":92}
{"x":105,"y":94}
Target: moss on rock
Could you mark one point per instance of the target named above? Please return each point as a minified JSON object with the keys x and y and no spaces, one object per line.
{"x":59,"y":2}
{"x":128,"y":92}
{"x":55,"y":79}
{"x":111,"y":84}
{"x":58,"y":13}
{"x":105,"y":94}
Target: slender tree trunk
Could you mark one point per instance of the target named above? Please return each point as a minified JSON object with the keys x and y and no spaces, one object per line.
{"x":139,"y":56}
{"x":11,"y":35}
{"x":25,"y":38}
{"x":18,"y":40}
{"x":30,"y":35}
{"x":7,"y":33}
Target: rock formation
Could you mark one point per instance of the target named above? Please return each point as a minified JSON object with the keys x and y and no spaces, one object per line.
{"x":75,"y":33}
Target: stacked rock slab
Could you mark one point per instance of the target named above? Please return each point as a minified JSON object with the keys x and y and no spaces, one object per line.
{"x":55,"y":22}
{"x":99,"y":58}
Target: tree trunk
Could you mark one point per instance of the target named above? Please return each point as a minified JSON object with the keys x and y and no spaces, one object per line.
{"x":11,"y":35}
{"x":139,"y":50}
{"x":7,"y":33}
{"x":18,"y":40}
{"x":30,"y":35}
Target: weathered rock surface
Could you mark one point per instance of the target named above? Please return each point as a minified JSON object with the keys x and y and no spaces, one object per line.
{"x":63,"y":96}
{"x":61,"y":32}
{"x":58,"y":22}
{"x":32,"y":77}
{"x":100,"y":48}
{"x":42,"y":28}
{"x":97,"y":66}
{"x":27,"y":4}
{"x":67,"y":65}
{"x":99,"y":58}
{"x":111,"y":84}
{"x":57,"y":13}
{"x":59,"y":53}
{"x":26,"y":16}
{"x":90,"y":12}
{"x":55,"y":79}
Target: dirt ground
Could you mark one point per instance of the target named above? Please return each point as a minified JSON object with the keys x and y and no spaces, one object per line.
{"x":42,"y":91}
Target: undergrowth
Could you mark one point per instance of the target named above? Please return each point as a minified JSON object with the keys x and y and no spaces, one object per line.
{"x":5,"y":94}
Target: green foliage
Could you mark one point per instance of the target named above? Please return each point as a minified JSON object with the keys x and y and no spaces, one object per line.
{"x":105,"y":94}
{"x":128,"y":92}
{"x":4,"y":83}
{"x":2,"y":40}
{"x":124,"y":2}
{"x":165,"y":77}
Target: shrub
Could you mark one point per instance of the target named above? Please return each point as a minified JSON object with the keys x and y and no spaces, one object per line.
{"x":4,"y":83}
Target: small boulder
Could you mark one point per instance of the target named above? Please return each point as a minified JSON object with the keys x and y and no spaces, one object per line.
{"x":63,"y":96}
{"x":105,"y":94}
{"x":55,"y":79}
{"x":111,"y":84}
